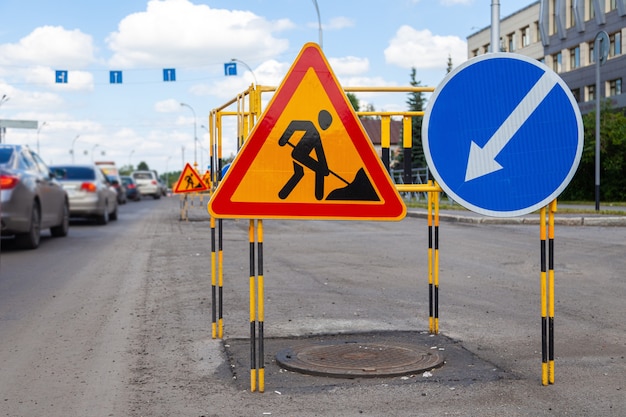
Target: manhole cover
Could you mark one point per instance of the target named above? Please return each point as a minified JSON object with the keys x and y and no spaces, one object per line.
{"x":350,"y":360}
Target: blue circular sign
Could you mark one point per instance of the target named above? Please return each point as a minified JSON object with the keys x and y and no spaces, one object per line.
{"x":502,"y":135}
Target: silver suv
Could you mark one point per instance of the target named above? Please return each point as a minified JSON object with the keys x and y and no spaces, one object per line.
{"x":147,"y":183}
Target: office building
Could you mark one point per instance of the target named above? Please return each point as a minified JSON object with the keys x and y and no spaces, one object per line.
{"x":562,"y":34}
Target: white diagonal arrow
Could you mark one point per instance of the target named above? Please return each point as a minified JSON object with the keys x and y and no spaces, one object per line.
{"x":482,"y":161}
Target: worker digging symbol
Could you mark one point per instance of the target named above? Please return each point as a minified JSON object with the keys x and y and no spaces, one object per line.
{"x":360,"y":189}
{"x":190,"y":184}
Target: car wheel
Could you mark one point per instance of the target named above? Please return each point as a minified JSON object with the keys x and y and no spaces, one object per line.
{"x":113,"y":215}
{"x":63,"y":228}
{"x":30,"y":239}
{"x":157,"y":196}
{"x":104,"y":217}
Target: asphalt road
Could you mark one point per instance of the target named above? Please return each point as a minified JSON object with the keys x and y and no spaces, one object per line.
{"x":116,"y":320}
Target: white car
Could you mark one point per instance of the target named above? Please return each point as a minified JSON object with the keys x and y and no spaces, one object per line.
{"x":147,"y":183}
{"x":90,"y":192}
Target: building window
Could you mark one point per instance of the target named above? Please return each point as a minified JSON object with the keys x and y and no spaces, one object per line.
{"x":487,"y":47}
{"x":592,"y":11}
{"x":475,"y":52}
{"x":591,"y":92}
{"x":557,"y":62}
{"x":576,"y":94}
{"x":553,"y":20}
{"x":574,"y":58}
{"x":537,"y":32}
{"x":613,"y":5}
{"x":616,"y":44}
{"x":572,"y":16}
{"x":525,"y":36}
{"x":615,"y":87}
{"x":592,"y":55}
{"x":511,"y":41}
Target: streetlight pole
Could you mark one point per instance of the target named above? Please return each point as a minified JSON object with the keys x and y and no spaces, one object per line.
{"x":129,"y":155}
{"x":3,"y":99}
{"x":38,"y":130}
{"x":167,"y":173}
{"x":319,"y":23}
{"x":93,"y":150}
{"x":601,"y":52}
{"x":72,"y":150}
{"x":195,"y":136}
{"x":247,"y":66}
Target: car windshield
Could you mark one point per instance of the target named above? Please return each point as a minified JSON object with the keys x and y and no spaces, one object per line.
{"x":126,"y":180}
{"x":142,"y":176}
{"x":5,"y":154}
{"x":75,"y":173}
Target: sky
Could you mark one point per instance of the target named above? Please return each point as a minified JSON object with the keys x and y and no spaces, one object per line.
{"x":367,"y":43}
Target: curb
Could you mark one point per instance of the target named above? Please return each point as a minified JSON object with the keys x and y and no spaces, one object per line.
{"x":558,"y":220}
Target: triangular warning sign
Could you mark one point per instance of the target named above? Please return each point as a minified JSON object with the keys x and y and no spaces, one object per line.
{"x":206,"y":179}
{"x":308,"y":157}
{"x":189,"y":181}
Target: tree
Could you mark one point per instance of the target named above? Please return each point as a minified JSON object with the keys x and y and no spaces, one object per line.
{"x":612,"y":158}
{"x":449,"y":66}
{"x":143,"y":166}
{"x":356,"y":105}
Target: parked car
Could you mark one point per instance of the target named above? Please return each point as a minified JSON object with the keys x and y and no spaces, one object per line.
{"x":31,"y":198}
{"x":132,"y":192}
{"x":90,"y":192}
{"x":163,"y":187}
{"x":148,"y":183}
{"x":110,"y":170}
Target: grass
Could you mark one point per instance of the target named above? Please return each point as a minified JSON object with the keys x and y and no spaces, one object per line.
{"x":568,"y":207}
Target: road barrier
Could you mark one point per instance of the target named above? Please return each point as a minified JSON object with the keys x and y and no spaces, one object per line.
{"x":248,"y":109}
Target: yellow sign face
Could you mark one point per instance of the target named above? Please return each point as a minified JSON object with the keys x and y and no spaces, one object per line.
{"x":206,"y":179}
{"x":308,"y":157}
{"x":189,"y":182}
{"x":341,"y":158}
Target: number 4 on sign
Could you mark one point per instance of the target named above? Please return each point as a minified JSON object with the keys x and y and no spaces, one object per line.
{"x":189,"y":182}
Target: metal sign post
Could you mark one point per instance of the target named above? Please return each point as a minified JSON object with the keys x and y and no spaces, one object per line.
{"x":601,"y":53}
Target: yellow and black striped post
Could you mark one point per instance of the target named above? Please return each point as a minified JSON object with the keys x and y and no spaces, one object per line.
{"x":252,"y":310}
{"x":220,"y":280}
{"x":257,"y":295}
{"x":385,"y":140}
{"x":552,"y":210}
{"x":436,"y":263}
{"x":213,"y":282}
{"x":261,"y":306}
{"x":431,"y":324}
{"x":544,"y":310}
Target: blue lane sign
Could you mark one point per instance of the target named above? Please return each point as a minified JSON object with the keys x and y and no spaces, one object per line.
{"x":230,"y":68}
{"x":60,"y":77}
{"x":502,"y":134}
{"x":115,"y":77}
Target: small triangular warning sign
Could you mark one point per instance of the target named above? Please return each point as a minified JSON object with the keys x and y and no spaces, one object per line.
{"x":189,"y":181}
{"x":308,"y":157}
{"x":206,"y":179}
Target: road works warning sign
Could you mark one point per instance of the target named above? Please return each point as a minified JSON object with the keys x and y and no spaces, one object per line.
{"x":189,"y":182}
{"x":308,"y":157}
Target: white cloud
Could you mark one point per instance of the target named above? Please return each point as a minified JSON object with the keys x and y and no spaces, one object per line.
{"x":424,"y":50}
{"x":167,"y":106}
{"x":51,"y":46}
{"x":337,"y":23}
{"x":349,"y":65}
{"x":456,"y":2}
{"x":177,"y":31}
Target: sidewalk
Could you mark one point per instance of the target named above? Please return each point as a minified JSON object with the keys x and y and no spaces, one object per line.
{"x":585,"y":218}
